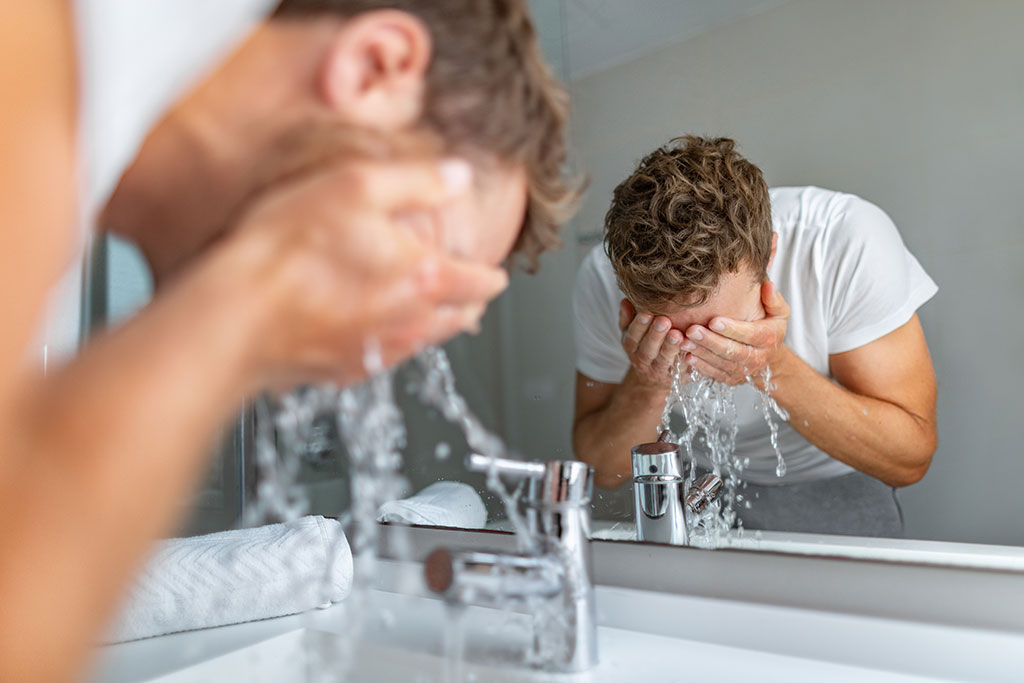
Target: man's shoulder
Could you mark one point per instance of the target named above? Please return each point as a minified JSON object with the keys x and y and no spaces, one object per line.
{"x":597,"y":266}
{"x":811,"y":202}
{"x":815,"y":213}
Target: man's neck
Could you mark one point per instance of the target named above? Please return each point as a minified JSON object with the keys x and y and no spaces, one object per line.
{"x":211,"y":153}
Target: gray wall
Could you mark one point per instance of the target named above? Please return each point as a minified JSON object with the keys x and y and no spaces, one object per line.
{"x":916,"y":105}
{"x":518,"y":373}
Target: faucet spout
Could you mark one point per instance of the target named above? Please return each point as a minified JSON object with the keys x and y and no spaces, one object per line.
{"x":558,"y":575}
{"x":663,"y":504}
{"x":491,"y":579}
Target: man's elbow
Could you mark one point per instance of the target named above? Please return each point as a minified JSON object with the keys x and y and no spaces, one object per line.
{"x":606,"y":479}
{"x":603,"y":476}
{"x":918,"y":464}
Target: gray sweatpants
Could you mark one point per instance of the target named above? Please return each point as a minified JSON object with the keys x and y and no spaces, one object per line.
{"x":853,"y":504}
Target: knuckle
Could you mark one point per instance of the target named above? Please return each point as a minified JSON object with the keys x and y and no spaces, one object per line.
{"x":356,"y":180}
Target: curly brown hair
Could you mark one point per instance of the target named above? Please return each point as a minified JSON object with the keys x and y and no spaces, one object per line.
{"x":692,"y":211}
{"x":489,"y":90}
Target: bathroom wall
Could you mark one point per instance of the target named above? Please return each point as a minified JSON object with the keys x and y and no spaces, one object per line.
{"x":517,"y":373}
{"x":915,"y":105}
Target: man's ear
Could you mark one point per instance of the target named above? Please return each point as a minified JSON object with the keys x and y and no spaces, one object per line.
{"x":775,"y":244}
{"x":374,"y":70}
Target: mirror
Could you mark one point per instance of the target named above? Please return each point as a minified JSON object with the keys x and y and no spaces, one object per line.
{"x":912,"y":106}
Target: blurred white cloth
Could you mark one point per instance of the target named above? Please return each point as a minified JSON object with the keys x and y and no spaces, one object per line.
{"x":240,"y":575}
{"x":443,"y":503}
{"x":135,"y":59}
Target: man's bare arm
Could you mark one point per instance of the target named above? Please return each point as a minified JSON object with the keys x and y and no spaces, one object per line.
{"x":37,"y":139}
{"x":612,"y":418}
{"x":106,"y":450}
{"x":99,"y":455}
{"x":879,"y":418}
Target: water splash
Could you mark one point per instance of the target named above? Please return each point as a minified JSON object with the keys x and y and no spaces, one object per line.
{"x":372,"y":430}
{"x":437,"y":389}
{"x":709,"y":411}
{"x":769,"y":406}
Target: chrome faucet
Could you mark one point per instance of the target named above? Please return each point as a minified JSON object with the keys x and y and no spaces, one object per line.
{"x":557,"y":569}
{"x":660,"y":495}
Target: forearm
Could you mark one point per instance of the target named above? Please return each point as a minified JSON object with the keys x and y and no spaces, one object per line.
{"x":604,"y":438}
{"x":107,"y":451}
{"x":874,"y":436}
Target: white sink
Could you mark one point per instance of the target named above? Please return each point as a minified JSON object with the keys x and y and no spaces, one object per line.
{"x":642,"y":636}
{"x":294,"y":657}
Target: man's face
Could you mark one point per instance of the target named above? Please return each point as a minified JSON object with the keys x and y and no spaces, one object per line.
{"x":738,"y":297}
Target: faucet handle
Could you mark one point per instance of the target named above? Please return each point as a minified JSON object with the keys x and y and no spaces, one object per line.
{"x":556,"y":481}
{"x":704,"y":492}
{"x":659,"y":457}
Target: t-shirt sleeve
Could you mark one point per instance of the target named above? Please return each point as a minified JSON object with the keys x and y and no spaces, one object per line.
{"x":595,"y":309}
{"x":875,"y":284}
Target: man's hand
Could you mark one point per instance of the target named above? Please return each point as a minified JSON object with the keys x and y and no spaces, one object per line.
{"x":651,"y":344}
{"x":734,"y":350}
{"x":337,"y":275}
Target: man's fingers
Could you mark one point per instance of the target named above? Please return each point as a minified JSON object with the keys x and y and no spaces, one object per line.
{"x":636,"y":331}
{"x":398,"y":185}
{"x":650,"y":345}
{"x":452,"y":320}
{"x":760,"y":333}
{"x":707,"y":369}
{"x":626,"y":314}
{"x":666,"y":360}
{"x":723,"y":347}
{"x":726,"y":365}
{"x":775,"y":305}
{"x":447,"y":280}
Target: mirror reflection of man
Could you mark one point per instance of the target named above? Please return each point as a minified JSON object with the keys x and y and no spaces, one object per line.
{"x":703,"y":263}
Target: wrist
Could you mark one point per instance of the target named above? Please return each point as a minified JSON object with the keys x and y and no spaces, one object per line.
{"x":644,"y":389}
{"x":232,"y":303}
{"x":783,"y":366}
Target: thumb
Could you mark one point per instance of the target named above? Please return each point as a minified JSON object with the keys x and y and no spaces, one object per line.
{"x":626,"y":314}
{"x":774,"y":305}
{"x":456,"y":282}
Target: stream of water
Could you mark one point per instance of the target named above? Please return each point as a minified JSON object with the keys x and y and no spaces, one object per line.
{"x":709,"y":411}
{"x":372,"y":431}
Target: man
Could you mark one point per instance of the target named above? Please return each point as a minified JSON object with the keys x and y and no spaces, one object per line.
{"x":313,"y":82}
{"x":699,"y":262}
{"x":309,"y":200}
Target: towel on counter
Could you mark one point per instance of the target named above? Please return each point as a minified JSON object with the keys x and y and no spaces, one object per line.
{"x":235,"y":576}
{"x":443,"y":503}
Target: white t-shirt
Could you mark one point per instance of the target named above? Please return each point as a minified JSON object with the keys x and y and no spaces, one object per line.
{"x":848,"y":279}
{"x":134,"y":59}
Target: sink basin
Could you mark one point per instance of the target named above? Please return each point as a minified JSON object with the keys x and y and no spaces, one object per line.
{"x":405,"y":641}
{"x":294,"y":657}
{"x":642,"y":635}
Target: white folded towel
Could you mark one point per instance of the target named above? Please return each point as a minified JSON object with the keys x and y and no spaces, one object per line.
{"x":443,"y":503}
{"x":235,"y":576}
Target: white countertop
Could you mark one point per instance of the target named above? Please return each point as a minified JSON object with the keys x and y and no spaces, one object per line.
{"x":642,"y":634}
